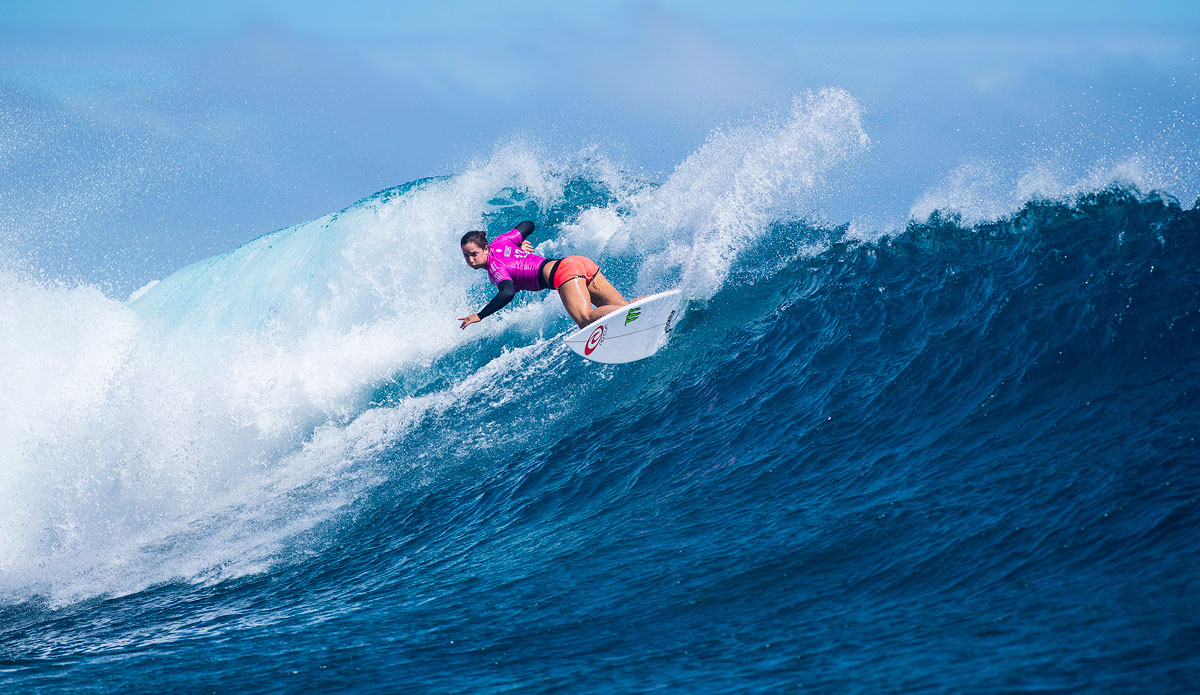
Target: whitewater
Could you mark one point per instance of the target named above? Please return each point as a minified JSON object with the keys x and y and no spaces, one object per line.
{"x":955,"y":453}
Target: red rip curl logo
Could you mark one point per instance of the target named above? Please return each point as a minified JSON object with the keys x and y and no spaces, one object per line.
{"x":594,"y":340}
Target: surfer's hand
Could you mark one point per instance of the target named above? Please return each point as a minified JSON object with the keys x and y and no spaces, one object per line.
{"x":526,"y":246}
{"x":468,"y":320}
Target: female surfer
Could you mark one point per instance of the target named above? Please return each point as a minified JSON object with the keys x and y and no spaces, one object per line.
{"x":511,"y":266}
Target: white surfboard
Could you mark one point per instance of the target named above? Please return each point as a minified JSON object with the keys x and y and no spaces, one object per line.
{"x":634,"y":331}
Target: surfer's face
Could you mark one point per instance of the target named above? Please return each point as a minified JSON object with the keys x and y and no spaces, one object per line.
{"x":475,"y":255}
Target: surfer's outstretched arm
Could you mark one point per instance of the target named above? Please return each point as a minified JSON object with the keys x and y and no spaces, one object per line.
{"x":505,"y":295}
{"x":507,"y":290}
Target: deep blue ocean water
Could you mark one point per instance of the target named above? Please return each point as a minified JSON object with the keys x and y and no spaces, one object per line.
{"x":957,"y":457}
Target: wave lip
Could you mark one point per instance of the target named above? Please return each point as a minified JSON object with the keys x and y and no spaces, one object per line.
{"x":981,"y":191}
{"x":726,"y":195}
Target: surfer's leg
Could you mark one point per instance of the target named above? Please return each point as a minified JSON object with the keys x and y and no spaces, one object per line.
{"x":604,"y":294}
{"x":576,"y":300}
{"x":574,"y":297}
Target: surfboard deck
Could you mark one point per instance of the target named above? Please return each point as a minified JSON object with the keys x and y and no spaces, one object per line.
{"x":633,"y":332}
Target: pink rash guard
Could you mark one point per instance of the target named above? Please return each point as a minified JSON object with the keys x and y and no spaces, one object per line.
{"x":506,"y":261}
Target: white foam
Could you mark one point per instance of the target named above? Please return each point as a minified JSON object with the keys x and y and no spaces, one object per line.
{"x":983,"y":191}
{"x":165,"y":438}
{"x":726,"y":194}
{"x":193,"y":432}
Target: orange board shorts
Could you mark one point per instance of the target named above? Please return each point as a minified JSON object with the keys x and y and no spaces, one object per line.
{"x":573,"y":267}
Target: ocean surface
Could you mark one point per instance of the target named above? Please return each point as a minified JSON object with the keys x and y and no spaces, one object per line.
{"x":954,"y":456}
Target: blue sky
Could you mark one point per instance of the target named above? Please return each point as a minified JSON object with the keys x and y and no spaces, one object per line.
{"x":367,"y":17}
{"x":138,"y":136}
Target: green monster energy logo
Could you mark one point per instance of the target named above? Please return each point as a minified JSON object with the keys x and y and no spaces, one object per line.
{"x":632,"y":315}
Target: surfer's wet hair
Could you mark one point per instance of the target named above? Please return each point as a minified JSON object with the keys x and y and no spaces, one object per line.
{"x":475,"y":237}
